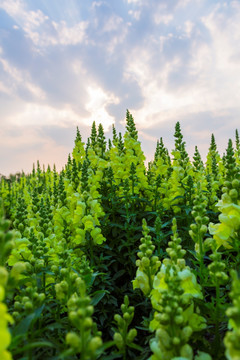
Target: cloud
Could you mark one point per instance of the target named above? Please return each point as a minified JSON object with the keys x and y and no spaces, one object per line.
{"x":20,"y":81}
{"x":43,"y":115}
{"x":40,"y":29}
{"x":71,"y":63}
{"x":96,"y":106}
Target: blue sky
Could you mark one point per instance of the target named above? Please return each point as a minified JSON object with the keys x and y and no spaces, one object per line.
{"x":65,"y":63}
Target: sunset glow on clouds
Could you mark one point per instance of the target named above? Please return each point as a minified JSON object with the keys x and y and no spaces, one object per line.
{"x":66,"y":63}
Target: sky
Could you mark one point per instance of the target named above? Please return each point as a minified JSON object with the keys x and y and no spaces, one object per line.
{"x":67,"y":63}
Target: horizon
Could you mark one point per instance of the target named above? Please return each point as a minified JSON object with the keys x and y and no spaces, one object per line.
{"x":44,"y":166}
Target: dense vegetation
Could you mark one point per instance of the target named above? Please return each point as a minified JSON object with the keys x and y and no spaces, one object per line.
{"x":110,"y":260}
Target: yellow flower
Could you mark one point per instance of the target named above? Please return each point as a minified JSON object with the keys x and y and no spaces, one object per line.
{"x":221,"y":233}
{"x":5,"y":336}
{"x":98,"y":238}
{"x":141,"y":282}
{"x":80,"y":209}
{"x":6,"y":355}
{"x":231,"y":218}
{"x":80,"y":236}
{"x":188,"y":281}
{"x":231,"y":342}
{"x":88,"y":222}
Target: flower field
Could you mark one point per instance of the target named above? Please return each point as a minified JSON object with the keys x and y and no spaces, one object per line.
{"x":109,"y":259}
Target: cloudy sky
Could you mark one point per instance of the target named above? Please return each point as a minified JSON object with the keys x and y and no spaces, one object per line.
{"x":65,"y":63}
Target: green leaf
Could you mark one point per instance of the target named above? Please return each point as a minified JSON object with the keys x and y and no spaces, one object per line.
{"x":33,"y":345}
{"x":135,"y":346}
{"x":97,"y":296}
{"x":119,"y":274}
{"x":23,"y":326}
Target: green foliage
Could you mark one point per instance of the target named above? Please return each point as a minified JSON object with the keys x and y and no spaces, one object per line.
{"x":75,"y":243}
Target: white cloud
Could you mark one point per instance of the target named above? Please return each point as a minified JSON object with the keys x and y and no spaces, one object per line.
{"x":135,"y":14}
{"x":36,"y":114}
{"x":40,"y":29}
{"x":99,"y":100}
{"x":66,"y":35}
{"x":24,"y":18}
{"x":21,"y":79}
{"x":210,"y":83}
{"x":59,"y":34}
{"x":112,"y":24}
{"x":225,"y":34}
{"x":44,"y":115}
{"x":4,"y":89}
{"x":162,"y":18}
{"x":138,"y":2}
{"x":184,"y":3}
{"x":188,"y":27}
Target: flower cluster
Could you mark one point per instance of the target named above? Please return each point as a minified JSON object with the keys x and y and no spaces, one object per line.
{"x":122,"y":336}
{"x":147,"y":263}
{"x":87,"y":340}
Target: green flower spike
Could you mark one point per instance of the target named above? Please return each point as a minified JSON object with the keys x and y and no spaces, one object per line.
{"x":175,"y":320}
{"x":87,"y":340}
{"x":123,"y":337}
{"x":147,"y":264}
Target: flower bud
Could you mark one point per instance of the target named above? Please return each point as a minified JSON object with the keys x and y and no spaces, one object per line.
{"x":17,"y":306}
{"x":178,"y":319}
{"x":64,"y":272}
{"x":164,"y":319}
{"x":117,"y":318}
{"x":89,"y":310}
{"x":149,"y":252}
{"x":28,"y":306}
{"x":176,"y":340}
{"x":198,"y":219}
{"x":131,"y":335}
{"x":15,"y":314}
{"x":54,"y":269}
{"x":235,"y":184}
{"x":73,"y":316}
{"x":64,"y":285}
{"x":186,"y":333}
{"x":203,"y":229}
{"x":193,"y":227}
{"x":234,"y":194}
{"x":87,"y":323}
{"x":145,"y":261}
{"x":186,"y":351}
{"x":73,"y":340}
{"x":168,"y":309}
{"x":227,"y":184}
{"x":41,"y":297}
{"x":17,"y":269}
{"x":95,"y":343}
{"x":118,"y":340}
